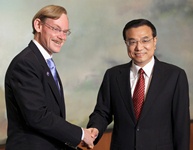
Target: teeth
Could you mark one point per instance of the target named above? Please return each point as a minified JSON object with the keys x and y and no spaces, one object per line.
{"x":139,"y":53}
{"x":57,"y":42}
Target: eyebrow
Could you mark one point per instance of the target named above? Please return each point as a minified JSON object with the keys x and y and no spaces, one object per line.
{"x":57,"y":26}
{"x":145,"y":37}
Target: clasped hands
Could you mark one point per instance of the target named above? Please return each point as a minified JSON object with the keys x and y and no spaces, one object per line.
{"x":90,"y":135}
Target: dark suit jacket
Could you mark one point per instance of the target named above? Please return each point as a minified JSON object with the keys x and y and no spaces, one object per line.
{"x":35,"y":108}
{"x":164,"y":123}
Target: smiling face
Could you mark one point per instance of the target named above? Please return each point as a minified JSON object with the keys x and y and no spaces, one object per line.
{"x":47,"y":35}
{"x":142,"y":44}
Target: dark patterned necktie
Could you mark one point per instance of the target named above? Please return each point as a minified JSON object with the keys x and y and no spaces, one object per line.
{"x":138,"y":95}
{"x":52,"y":67}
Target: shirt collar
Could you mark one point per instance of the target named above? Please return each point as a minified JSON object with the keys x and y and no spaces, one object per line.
{"x":148,"y":68}
{"x":42,"y":50}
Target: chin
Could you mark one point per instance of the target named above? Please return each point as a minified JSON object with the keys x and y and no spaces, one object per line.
{"x":56,"y":50}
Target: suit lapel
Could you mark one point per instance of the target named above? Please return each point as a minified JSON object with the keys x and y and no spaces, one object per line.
{"x":123,"y":81}
{"x":154,"y":88}
{"x":62,"y":96}
{"x":59,"y":97}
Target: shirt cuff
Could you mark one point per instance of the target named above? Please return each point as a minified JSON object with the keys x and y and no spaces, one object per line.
{"x":82,"y":134}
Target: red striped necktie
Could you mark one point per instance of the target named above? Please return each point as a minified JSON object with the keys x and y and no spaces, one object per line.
{"x":138,"y":95}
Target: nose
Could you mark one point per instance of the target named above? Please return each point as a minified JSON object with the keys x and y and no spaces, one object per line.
{"x":62,"y":36}
{"x":139,"y":46}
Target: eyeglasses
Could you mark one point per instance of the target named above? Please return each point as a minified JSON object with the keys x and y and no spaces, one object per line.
{"x":57,"y":30}
{"x":143,"y":41}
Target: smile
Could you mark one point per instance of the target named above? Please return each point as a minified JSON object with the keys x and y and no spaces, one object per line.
{"x":139,"y":54}
{"x":57,"y":42}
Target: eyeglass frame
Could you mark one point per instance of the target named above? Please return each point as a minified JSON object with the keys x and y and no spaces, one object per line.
{"x":143,"y":41}
{"x":57,"y":30}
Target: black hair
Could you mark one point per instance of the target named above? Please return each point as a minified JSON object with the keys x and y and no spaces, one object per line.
{"x":137,"y":23}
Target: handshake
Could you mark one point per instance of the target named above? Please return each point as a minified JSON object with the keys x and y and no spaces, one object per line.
{"x":90,"y":135}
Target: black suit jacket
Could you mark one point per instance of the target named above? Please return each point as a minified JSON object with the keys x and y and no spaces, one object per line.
{"x":164,"y":123}
{"x":35,"y":108}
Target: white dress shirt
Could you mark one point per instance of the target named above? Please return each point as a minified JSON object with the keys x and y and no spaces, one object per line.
{"x":148,"y":69}
{"x":42,"y":50}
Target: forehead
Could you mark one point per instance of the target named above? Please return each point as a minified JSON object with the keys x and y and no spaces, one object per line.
{"x":63,"y":19}
{"x":139,"y":32}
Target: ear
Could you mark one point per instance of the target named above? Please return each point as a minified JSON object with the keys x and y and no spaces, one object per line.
{"x":155,"y":42}
{"x":38,"y":25}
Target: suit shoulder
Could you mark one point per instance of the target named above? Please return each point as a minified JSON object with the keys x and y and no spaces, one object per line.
{"x":29,"y":54}
{"x":119,"y":67}
{"x":25,"y":58}
{"x":169,"y":66}
{"x":169,"y":69}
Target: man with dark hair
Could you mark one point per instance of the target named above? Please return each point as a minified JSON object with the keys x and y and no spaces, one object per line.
{"x":148,"y":99}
